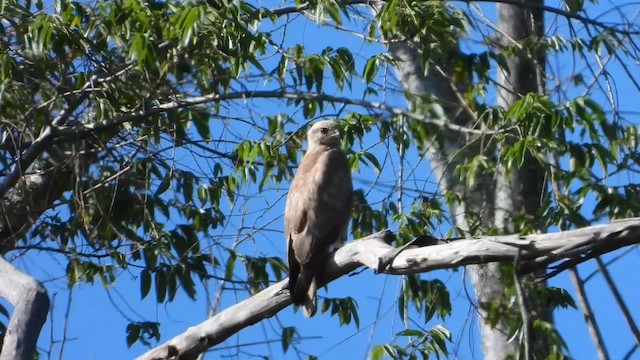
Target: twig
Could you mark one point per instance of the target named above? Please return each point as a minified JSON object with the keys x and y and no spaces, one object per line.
{"x":65,"y":327}
{"x":590,"y":251}
{"x":630,"y":353}
{"x":560,"y":12}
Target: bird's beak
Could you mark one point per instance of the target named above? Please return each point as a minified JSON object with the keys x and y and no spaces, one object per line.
{"x":336,"y":135}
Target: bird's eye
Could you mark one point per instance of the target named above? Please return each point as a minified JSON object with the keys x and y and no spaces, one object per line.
{"x":325,"y":131}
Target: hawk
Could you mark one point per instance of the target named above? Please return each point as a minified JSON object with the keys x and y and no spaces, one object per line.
{"x":317,"y":212}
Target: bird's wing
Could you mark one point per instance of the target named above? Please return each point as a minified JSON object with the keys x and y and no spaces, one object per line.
{"x":318,"y":204}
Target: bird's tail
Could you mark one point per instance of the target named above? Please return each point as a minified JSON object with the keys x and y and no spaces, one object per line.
{"x":304,"y":293}
{"x":311,"y":304}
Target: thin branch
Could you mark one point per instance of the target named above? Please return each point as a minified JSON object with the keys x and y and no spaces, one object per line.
{"x":25,"y":160}
{"x":589,"y":318}
{"x":368,"y":251}
{"x":619,"y":300}
{"x":82,"y":130}
{"x":553,"y":10}
{"x":524,"y":311}
{"x":283,"y":11}
{"x":65,"y":326}
{"x":46,"y":137}
{"x":611,"y":261}
{"x":630,"y":353}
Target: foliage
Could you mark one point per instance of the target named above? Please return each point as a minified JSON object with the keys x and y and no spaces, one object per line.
{"x":155,"y":119}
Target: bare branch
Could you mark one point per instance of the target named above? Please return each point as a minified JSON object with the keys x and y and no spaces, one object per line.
{"x":523,"y":304}
{"x":30,"y":306}
{"x":619,"y":300}
{"x":370,"y":250}
{"x":557,"y":11}
{"x":589,"y":318}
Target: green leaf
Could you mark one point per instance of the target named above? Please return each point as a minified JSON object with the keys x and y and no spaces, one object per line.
{"x":187,"y":187}
{"x":377,"y":353}
{"x":231,"y":262}
{"x":332,"y":9}
{"x":502,"y":61}
{"x":133,"y":333}
{"x":186,"y":282}
{"x":161,"y":284}
{"x":164,"y":185}
{"x":145,"y":282}
{"x":402,"y":304}
{"x":186,"y":23}
{"x":309,"y":109}
{"x":410,"y":332}
{"x":371,"y":69}
{"x":200,"y":119}
{"x":203,"y":195}
{"x":287,"y":337}
{"x":574,"y":6}
{"x":373,"y":161}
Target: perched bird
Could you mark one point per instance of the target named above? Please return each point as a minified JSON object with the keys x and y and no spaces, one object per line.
{"x":317,"y":212}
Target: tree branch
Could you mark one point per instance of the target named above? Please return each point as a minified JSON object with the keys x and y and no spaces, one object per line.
{"x":616,"y":294}
{"x":557,"y":11}
{"x":82,"y":130}
{"x":25,"y":160}
{"x":589,"y":317}
{"x":370,"y":250}
{"x":23,"y":204}
{"x":30,"y":306}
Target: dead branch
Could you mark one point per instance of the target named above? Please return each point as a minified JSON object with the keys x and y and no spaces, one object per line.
{"x":535,"y":252}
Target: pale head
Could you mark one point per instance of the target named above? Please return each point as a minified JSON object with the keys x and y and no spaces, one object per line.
{"x":325,"y":132}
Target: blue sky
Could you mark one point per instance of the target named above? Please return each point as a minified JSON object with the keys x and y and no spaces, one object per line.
{"x":97,"y":317}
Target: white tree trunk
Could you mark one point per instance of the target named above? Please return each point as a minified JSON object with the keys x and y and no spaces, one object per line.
{"x":492,"y":200}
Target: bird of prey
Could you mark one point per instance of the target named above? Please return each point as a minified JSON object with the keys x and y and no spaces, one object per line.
{"x":317,"y":213}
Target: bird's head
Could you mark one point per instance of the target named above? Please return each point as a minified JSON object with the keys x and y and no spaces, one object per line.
{"x":325,"y":132}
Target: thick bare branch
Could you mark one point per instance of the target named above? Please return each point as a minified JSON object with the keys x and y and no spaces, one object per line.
{"x":30,"y":306}
{"x":370,"y":250}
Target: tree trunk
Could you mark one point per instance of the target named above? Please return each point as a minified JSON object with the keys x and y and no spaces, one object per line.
{"x":519,"y":190}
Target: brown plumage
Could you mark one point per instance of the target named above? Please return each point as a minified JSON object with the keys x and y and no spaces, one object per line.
{"x":317,"y":212}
